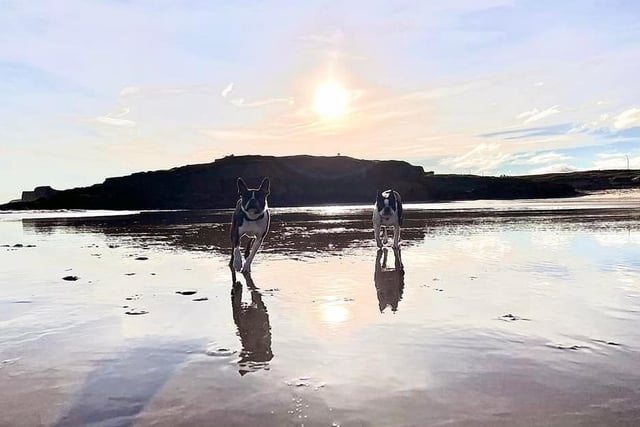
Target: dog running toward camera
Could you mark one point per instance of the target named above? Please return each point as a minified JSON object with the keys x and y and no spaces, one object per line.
{"x":387,"y":212}
{"x":251,"y":218}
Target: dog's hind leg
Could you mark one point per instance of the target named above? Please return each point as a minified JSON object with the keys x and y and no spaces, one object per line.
{"x":254,"y":249}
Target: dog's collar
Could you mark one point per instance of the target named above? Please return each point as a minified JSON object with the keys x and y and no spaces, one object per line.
{"x":246,"y":214}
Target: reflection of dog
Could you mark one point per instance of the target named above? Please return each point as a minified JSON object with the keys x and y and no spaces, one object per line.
{"x":251,"y":218}
{"x":387,"y":212}
{"x":254,"y":328}
{"x":389,"y":281}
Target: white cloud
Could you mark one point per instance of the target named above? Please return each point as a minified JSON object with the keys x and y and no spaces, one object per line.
{"x":112,"y":121}
{"x":627,"y":119}
{"x":241,"y":102}
{"x":484,"y":157}
{"x":533,"y":159}
{"x":535,"y":114}
{"x":129,"y":91}
{"x":555,"y":168}
{"x":616,"y":161}
{"x":115,"y":118}
{"x":227,"y":90}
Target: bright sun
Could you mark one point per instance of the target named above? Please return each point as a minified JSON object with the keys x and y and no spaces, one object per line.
{"x":331,"y":100}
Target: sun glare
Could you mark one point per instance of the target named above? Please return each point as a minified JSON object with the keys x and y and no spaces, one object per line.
{"x":331,"y":100}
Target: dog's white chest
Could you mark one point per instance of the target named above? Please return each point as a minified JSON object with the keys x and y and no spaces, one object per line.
{"x":388,"y":220}
{"x":254,"y":228}
{"x":385,"y":220}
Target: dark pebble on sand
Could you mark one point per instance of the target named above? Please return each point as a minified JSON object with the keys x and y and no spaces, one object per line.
{"x":135,"y":312}
{"x":608,"y":342}
{"x":201,"y":299}
{"x":567,"y":347}
{"x":511,"y":318}
{"x":186,"y":292}
{"x":70,"y":278}
{"x":112,"y":246}
{"x":129,"y":274}
{"x":141,"y":258}
{"x":18,"y":245}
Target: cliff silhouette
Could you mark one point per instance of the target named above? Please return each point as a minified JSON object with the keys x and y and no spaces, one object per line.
{"x":296,"y":181}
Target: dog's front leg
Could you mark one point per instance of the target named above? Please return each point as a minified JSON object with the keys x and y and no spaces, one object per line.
{"x":396,"y":236}
{"x":376,"y":233}
{"x":246,"y":268}
{"x":236,"y":256}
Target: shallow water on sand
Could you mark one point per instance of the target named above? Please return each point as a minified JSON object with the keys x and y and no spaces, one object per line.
{"x":502,"y":313}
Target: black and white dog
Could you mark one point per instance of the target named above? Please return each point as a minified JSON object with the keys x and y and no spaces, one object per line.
{"x":387,"y":212}
{"x":251,"y":218}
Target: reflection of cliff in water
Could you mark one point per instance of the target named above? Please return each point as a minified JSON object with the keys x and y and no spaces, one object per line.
{"x":328,"y":230}
{"x":209,"y":230}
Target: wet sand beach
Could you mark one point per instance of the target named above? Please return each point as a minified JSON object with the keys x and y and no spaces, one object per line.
{"x":494,"y":313}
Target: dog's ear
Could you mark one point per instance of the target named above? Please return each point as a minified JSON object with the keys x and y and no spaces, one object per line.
{"x":265,"y":186}
{"x":242,"y":187}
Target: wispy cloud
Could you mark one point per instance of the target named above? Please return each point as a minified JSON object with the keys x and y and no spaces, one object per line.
{"x":554,"y":168}
{"x":115,"y":119}
{"x":537,"y":159}
{"x":112,"y":121}
{"x":241,"y":102}
{"x":524,"y":133}
{"x":483,"y":158}
{"x":627,"y":119}
{"x":535,"y":114}
{"x":130,"y":91}
{"x":616,"y":160}
{"x":227,"y":90}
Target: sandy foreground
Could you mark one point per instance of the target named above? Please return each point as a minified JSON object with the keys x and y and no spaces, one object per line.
{"x":503,"y":313}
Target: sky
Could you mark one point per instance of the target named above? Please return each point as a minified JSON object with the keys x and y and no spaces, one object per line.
{"x":93,"y":89}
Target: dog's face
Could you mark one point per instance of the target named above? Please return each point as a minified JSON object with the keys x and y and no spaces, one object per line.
{"x":254,"y":200}
{"x":386,"y":203}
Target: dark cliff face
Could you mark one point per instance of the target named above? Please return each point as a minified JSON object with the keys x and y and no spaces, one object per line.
{"x":37,"y":193}
{"x":295,"y":181}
